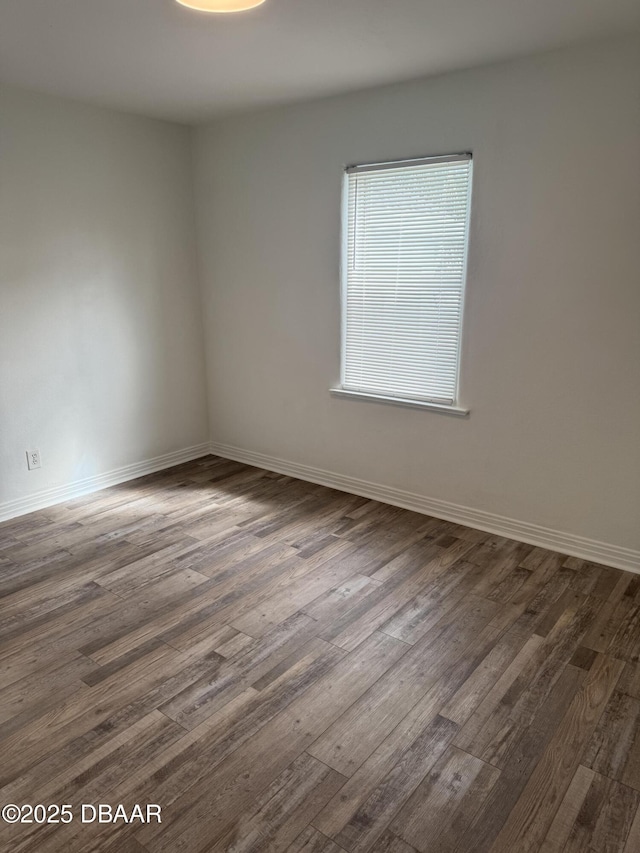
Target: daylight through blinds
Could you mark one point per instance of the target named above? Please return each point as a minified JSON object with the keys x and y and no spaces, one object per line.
{"x":404,"y":278}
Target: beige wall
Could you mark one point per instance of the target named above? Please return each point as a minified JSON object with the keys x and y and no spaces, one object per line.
{"x":101,"y":340}
{"x":551,"y":352}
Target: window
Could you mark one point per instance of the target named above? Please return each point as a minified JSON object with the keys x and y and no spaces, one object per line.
{"x":405,"y":231}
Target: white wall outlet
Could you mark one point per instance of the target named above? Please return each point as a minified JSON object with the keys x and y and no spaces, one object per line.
{"x":33,"y":459}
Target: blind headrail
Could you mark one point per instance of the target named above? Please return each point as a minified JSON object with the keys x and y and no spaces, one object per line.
{"x":403,"y":164}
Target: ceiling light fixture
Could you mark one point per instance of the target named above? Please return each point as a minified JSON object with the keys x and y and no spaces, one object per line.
{"x":221,"y":5}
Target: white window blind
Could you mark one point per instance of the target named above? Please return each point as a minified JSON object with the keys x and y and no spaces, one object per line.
{"x":403,"y":277}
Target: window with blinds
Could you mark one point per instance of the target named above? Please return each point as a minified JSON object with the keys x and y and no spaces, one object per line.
{"x":405,"y":233}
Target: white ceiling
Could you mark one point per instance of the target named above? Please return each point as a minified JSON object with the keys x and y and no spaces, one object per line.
{"x":158,"y":58}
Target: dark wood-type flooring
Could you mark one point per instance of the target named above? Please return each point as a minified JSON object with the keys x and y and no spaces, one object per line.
{"x":283,"y":667}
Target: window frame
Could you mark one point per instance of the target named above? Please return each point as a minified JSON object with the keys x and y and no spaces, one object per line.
{"x":454,"y":408}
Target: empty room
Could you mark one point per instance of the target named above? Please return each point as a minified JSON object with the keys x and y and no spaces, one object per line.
{"x":319,"y":426}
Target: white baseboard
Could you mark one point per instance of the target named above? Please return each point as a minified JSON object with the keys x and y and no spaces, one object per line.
{"x":544,"y":537}
{"x":59,"y":494}
{"x":533,"y":534}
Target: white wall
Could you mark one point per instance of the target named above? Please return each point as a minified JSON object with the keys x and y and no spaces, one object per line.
{"x":101,"y":339}
{"x":551,"y":353}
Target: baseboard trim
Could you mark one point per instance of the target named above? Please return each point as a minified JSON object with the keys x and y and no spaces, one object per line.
{"x":533,"y":534}
{"x":59,"y":494}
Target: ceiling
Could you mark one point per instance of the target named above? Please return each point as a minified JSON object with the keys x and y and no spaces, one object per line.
{"x":158,"y":58}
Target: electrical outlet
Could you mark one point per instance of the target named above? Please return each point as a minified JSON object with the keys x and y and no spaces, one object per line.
{"x":33,"y":459}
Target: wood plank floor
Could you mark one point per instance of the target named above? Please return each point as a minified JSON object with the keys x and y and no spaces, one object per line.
{"x":283,"y":667}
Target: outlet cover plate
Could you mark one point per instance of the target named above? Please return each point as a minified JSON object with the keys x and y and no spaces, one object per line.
{"x":33,"y":459}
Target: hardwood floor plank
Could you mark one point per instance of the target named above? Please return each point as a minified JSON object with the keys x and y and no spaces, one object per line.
{"x":601,"y":632}
{"x":532,"y":815}
{"x":374,"y":815}
{"x":312,"y":841}
{"x":282,"y":812}
{"x":467,"y":698}
{"x":605,"y":817}
{"x":614,"y":749}
{"x":443,"y":593}
{"x":372,"y":773}
{"x":81,"y":712}
{"x":566,"y":816}
{"x":527,"y":692}
{"x":283,"y":604}
{"x":446,"y":802}
{"x":633,"y":839}
{"x":471,"y":737}
{"x":520,"y":762}
{"x":240,"y":777}
{"x":35,"y":690}
{"x":347,"y":744}
{"x":390,"y":843}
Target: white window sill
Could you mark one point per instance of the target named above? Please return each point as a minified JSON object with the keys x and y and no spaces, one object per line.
{"x":366,"y":397}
